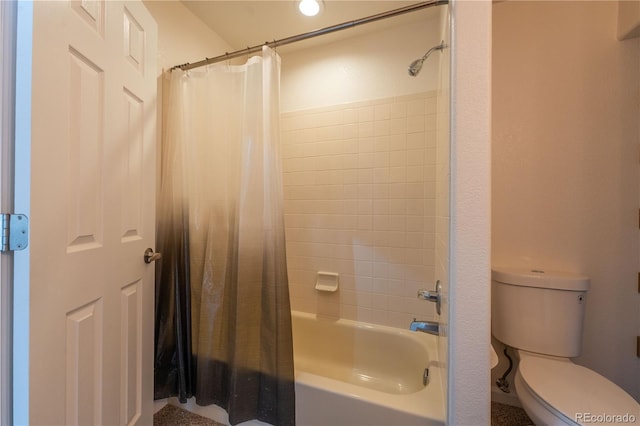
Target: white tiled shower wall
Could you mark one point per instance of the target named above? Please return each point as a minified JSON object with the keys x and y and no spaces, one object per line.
{"x":360,"y":189}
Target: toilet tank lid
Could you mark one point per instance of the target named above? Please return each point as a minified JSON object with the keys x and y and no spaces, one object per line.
{"x":556,"y":280}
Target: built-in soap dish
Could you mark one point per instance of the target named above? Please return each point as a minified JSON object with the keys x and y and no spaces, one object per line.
{"x":327,"y":281}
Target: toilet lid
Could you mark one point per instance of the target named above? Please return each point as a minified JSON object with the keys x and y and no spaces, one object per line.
{"x":575,"y":391}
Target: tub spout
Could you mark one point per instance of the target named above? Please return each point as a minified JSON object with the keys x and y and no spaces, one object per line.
{"x":430,"y":327}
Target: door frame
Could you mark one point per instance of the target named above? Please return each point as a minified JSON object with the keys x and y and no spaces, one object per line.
{"x":8,"y":23}
{"x":23,"y":33}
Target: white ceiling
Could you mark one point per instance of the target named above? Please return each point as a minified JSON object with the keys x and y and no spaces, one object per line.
{"x":248,"y":23}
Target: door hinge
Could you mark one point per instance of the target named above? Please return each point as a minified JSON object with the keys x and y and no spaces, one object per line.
{"x":15,"y":232}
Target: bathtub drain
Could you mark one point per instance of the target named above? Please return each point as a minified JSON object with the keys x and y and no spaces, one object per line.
{"x":425,"y":376}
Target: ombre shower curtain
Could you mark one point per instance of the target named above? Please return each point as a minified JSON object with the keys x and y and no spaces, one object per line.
{"x":223,"y":321}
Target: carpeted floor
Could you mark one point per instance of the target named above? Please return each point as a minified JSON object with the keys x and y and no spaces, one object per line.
{"x":506,"y":415}
{"x":169,"y":415}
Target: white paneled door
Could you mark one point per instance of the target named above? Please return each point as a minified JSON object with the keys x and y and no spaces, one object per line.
{"x":92,"y":199}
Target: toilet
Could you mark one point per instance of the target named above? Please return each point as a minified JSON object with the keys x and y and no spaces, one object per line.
{"x":540,"y":314}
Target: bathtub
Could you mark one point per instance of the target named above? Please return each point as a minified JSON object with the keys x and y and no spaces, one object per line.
{"x":352,"y":373}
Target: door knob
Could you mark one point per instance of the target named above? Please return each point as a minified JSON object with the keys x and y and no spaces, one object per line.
{"x":150,"y":256}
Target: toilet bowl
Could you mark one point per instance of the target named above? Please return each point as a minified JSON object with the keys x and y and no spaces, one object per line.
{"x":540,"y":314}
{"x":555,"y":391}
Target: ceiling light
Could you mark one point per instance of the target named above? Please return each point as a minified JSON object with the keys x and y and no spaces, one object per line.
{"x":309,"y":7}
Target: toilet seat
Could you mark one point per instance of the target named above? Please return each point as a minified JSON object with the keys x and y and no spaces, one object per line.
{"x":572,"y":391}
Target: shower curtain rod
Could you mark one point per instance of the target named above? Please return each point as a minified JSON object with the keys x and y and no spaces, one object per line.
{"x":311,"y":34}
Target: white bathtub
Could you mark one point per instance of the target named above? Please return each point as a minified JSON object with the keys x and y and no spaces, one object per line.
{"x":351,"y":373}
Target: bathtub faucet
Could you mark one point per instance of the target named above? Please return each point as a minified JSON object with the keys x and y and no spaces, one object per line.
{"x":430,"y":327}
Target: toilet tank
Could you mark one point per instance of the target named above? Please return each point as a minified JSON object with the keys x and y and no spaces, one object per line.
{"x":538,"y":311}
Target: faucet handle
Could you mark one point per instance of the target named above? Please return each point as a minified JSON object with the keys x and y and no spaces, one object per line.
{"x":433,"y":296}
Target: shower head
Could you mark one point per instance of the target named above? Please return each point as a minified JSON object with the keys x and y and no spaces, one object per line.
{"x":416,"y":65}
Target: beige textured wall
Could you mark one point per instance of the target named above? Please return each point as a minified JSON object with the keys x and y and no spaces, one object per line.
{"x":565,"y":163}
{"x":182,"y":37}
{"x":443,"y":199}
{"x":364,"y":67}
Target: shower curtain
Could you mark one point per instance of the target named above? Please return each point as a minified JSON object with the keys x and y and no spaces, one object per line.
{"x":223,"y":320}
